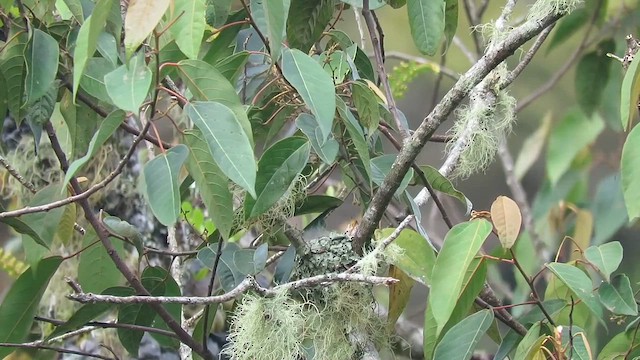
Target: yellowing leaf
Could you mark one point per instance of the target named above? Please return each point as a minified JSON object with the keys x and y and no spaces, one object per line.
{"x":142,"y":17}
{"x":582,"y":233}
{"x":507,"y":220}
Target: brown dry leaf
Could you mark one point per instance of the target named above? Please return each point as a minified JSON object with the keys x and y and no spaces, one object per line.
{"x":507,"y":220}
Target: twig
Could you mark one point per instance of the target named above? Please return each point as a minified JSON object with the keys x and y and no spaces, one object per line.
{"x":214,"y":270}
{"x":474,"y":21}
{"x":382,"y":73}
{"x":111,"y":325}
{"x":248,"y":283}
{"x":56,"y":349}
{"x":553,"y":80}
{"x":527,"y":57}
{"x":13,"y":172}
{"x":534,"y":292}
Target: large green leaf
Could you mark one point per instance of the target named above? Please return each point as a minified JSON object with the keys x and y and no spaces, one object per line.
{"x":93,"y":79}
{"x":96,"y":270}
{"x":44,"y":223}
{"x":162,"y":187}
{"x":582,"y":130}
{"x":139,"y":314}
{"x":212,"y":184}
{"x":630,"y":93}
{"x":228,"y":143}
{"x":441,"y":183}
{"x":206,"y":83}
{"x":630,"y":170}
{"x":188,"y":29}
{"x":82,"y":122}
{"x":567,"y":26}
{"x":234,"y":265}
{"x":307,"y":20}
{"x":592,"y":74}
{"x":608,"y":208}
{"x":42,"y":65}
{"x":417,"y":257}
{"x":460,"y":246}
{"x":530,"y":343}
{"x":606,"y":257}
{"x":450,"y":19}
{"x":356,"y":134}
{"x":618,"y":297}
{"x":106,"y":129}
{"x":381,"y":166}
{"x":142,"y":17}
{"x":12,"y":65}
{"x":314,"y":86}
{"x":366,"y":103}
{"x":461,"y":340}
{"x":277,"y":170}
{"x":171,"y":288}
{"x":87,"y":39}
{"x":326,"y":149}
{"x":271,"y":17}
{"x":580,"y":284}
{"x":128,"y":86}
{"x":427,"y":23}
{"x":21,"y":302}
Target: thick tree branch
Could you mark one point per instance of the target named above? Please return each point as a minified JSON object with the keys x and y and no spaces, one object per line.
{"x":516,"y":38}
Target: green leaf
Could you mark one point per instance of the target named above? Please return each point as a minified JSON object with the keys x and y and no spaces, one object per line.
{"x":139,"y":314}
{"x":567,"y":26}
{"x":233,"y":65}
{"x":206,"y":83}
{"x":381,"y":166}
{"x":427,"y":23}
{"x":608,"y":208}
{"x":461,"y":340}
{"x":278,"y":168}
{"x":228,"y":143}
{"x":21,"y":302}
{"x":592,"y":75}
{"x":630,"y":93}
{"x":326,"y":149}
{"x":75,"y":7}
{"x":188,"y":29}
{"x":285,"y":266}
{"x":106,"y":129}
{"x":450,"y":19}
{"x":171,"y":288}
{"x":460,"y":246}
{"x":93,"y":79}
{"x":530,"y":343}
{"x":122,"y":228}
{"x":218,"y":12}
{"x":366,"y":103}
{"x":212,"y":184}
{"x":87,"y":39}
{"x":618,"y":297}
{"x":142,"y":17}
{"x":582,"y":131}
{"x":12,"y":65}
{"x":82,"y":122}
{"x":307,"y":20}
{"x":532,"y":148}
{"x":356,"y":134}
{"x":162,"y":186}
{"x":335,"y":63}
{"x":233,"y":258}
{"x":42,"y":65}
{"x":317,"y":204}
{"x":88,"y":312}
{"x":314,"y":86}
{"x":128,"y":86}
{"x":399,"y":295}
{"x":579,"y":283}
{"x":417,"y":257}
{"x":45,"y":223}
{"x":440,"y":183}
{"x":630,"y":172}
{"x":271,"y":17}
{"x":96,"y":270}
{"x":606,"y":258}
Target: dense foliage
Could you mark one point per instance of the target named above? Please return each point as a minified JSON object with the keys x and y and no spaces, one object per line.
{"x":170,"y":167}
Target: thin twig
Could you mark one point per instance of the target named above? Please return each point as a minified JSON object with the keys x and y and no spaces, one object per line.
{"x":56,"y":349}
{"x":214,"y":270}
{"x":382,"y":72}
{"x":437,"y":67}
{"x":247,"y":284}
{"x":534,"y":292}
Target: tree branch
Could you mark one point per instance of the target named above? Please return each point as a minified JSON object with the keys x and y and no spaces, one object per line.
{"x":512,"y":41}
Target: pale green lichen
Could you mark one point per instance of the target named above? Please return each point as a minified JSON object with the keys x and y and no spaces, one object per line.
{"x":543,"y":8}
